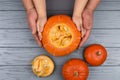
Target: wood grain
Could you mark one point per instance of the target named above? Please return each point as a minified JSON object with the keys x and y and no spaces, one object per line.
{"x":24,"y":56}
{"x":25,"y":73}
{"x":17,"y":19}
{"x":23,"y":38}
{"x":18,"y":47}
{"x":56,"y":5}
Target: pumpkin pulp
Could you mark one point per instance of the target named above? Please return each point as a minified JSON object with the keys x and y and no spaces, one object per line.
{"x":60,"y":35}
{"x":42,"y":66}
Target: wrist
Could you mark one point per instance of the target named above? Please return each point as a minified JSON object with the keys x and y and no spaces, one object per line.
{"x":42,"y":14}
{"x":42,"y":17}
{"x":30,"y":9}
{"x":77,"y":16}
{"x":90,"y":9}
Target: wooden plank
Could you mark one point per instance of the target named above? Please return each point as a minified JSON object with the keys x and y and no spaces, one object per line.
{"x":13,"y":19}
{"x":17,"y":19}
{"x":69,"y":4}
{"x":23,"y":38}
{"x":25,"y":73}
{"x":24,"y":56}
{"x":56,"y":5}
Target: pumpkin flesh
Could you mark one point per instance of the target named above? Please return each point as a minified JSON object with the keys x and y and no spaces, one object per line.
{"x":42,"y":66}
{"x":60,"y":36}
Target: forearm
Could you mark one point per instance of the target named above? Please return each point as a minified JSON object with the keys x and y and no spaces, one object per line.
{"x":92,"y":4}
{"x":79,"y":6}
{"x":28,"y":4}
{"x":40,"y":6}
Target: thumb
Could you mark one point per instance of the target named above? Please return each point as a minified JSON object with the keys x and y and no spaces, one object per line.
{"x":83,"y":31}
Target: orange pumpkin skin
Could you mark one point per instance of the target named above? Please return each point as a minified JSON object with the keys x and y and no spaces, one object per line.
{"x":95,"y":54}
{"x":75,"y":69}
{"x":51,"y":26}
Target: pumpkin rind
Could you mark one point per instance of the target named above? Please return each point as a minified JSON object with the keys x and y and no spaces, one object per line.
{"x":75,"y":69}
{"x":52,"y":47}
{"x":95,"y":54}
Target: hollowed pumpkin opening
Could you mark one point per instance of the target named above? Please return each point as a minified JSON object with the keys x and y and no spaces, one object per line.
{"x":60,"y":35}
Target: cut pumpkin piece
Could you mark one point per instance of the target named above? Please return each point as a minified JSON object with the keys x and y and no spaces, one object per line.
{"x":42,"y":66}
{"x":60,"y":35}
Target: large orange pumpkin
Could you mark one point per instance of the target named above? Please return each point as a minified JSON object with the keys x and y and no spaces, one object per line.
{"x":60,"y":35}
{"x":75,"y":69}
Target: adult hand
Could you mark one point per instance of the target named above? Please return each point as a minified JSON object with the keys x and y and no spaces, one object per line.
{"x":87,"y":24}
{"x":32,"y":21}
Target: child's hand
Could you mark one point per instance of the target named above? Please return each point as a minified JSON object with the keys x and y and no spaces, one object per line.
{"x":32,"y":18}
{"x":79,"y":23}
{"x":40,"y":25}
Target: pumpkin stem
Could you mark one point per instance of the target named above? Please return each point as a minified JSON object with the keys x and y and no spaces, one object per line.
{"x":98,"y":53}
{"x":76,"y":73}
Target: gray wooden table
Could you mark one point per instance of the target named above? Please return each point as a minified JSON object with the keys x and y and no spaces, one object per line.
{"x":18,"y":47}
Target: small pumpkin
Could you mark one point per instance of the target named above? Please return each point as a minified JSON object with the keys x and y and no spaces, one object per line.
{"x":60,"y":35}
{"x":95,"y":54}
{"x":42,"y":66}
{"x":75,"y":69}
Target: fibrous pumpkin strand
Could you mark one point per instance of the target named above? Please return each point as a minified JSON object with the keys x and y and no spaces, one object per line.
{"x":42,"y":66}
{"x":61,"y":35}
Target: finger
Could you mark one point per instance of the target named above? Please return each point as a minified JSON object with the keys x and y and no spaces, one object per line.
{"x":38,"y":26}
{"x":40,"y":36}
{"x":42,"y":24}
{"x":39,"y":32}
{"x":79,"y":27}
{"x":32,"y":24}
{"x":84,"y":39}
{"x":37,"y":39}
{"x":41,"y":27}
{"x":83,"y":31}
{"x":77,"y":24}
